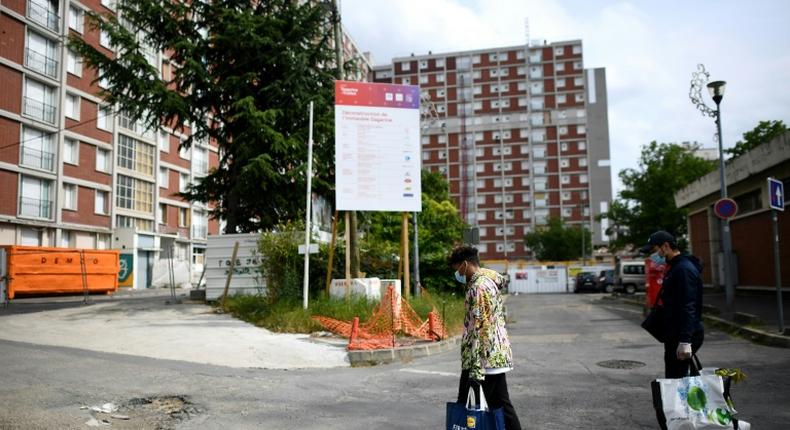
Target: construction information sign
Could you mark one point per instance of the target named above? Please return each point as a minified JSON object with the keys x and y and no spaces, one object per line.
{"x":377,"y":147}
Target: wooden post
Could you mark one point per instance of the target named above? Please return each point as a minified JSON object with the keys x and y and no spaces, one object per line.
{"x":405,"y":247}
{"x":230,"y":273}
{"x":348,"y":253}
{"x":331,"y":254}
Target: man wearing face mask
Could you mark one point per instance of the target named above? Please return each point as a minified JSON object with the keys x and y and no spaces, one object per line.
{"x":681,"y":296}
{"x":486,"y":355}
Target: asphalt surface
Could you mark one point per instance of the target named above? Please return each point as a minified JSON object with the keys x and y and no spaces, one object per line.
{"x":558,"y":339}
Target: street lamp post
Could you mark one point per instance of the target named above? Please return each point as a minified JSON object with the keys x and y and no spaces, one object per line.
{"x":716,"y":90}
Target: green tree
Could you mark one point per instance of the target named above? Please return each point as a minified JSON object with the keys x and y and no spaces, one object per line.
{"x":244,"y":74}
{"x":765,"y":132}
{"x":557,"y":241}
{"x":647,"y":203}
{"x":440,"y":228}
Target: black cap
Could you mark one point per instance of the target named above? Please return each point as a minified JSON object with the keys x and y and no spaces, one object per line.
{"x":657,"y":239}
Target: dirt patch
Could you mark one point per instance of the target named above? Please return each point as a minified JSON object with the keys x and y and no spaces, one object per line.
{"x":150,"y":413}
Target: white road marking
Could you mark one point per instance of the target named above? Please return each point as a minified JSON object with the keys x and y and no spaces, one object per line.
{"x":430,"y":372}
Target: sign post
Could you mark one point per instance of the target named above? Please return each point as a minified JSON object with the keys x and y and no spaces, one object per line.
{"x":776,"y":195}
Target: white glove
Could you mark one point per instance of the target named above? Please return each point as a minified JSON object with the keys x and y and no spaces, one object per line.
{"x":684,"y":351}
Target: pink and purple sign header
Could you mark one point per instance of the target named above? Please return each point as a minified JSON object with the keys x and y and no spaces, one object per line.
{"x":377,"y":95}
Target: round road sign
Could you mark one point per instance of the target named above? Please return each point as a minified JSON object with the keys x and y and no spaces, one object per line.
{"x":725,"y":208}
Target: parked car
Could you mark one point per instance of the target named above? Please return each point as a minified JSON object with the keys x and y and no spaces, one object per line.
{"x":629,"y":276}
{"x":585,"y":281}
{"x":606,"y":281}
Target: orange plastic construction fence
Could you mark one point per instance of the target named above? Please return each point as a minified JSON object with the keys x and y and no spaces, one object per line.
{"x":391,"y":321}
{"x":37,"y":270}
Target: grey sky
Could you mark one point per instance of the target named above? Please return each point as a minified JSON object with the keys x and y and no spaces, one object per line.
{"x":649,"y":48}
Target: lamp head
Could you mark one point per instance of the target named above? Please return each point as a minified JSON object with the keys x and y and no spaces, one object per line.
{"x":716,"y":89}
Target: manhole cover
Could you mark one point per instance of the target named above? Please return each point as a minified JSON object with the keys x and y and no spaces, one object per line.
{"x":621,"y":364}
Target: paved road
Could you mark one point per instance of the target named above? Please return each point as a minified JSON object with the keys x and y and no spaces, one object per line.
{"x":557,"y":385}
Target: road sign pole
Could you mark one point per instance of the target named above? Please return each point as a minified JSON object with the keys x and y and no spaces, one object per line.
{"x":778,"y":271}
{"x":309,"y":175}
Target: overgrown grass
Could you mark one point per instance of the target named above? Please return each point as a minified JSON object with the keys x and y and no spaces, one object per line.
{"x":288,"y":316}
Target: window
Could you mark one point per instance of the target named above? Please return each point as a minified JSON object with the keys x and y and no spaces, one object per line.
{"x":566,"y":195}
{"x":504,"y":72}
{"x":73,"y":63}
{"x":37,"y":149}
{"x":102,"y":160}
{"x":199,"y":225}
{"x":405,"y":66}
{"x":100,"y":203}
{"x":566,"y":179}
{"x":134,"y":194}
{"x":577,"y":49}
{"x":577,"y":65}
{"x":560,"y":67}
{"x":40,"y":54}
{"x":559,"y":50}
{"x":104,"y":39}
{"x":564,"y":146}
{"x":440,"y":77}
{"x":535,"y":72}
{"x":440,"y":62}
{"x":524,"y":168}
{"x":578,"y":82}
{"x":39,"y":101}
{"x":109,"y":4}
{"x":70,"y":197}
{"x":440,"y":108}
{"x":200,"y":160}
{"x":162,"y":213}
{"x":72,"y":108}
{"x":183,"y":182}
{"x":103,"y":82}
{"x":582,"y":146}
{"x":565,"y":163}
{"x":423,"y":79}
{"x":132,"y":222}
{"x":522,"y":86}
{"x":537,"y":88}
{"x":164,"y":177}
{"x":579,"y":98}
{"x":580,"y":113}
{"x":561,"y":83}
{"x":70,"y":151}
{"x":135,"y":155}
{"x":440,"y":93}
{"x":583,"y":179}
{"x":563,"y":130}
{"x":183,"y":217}
{"x":183,"y":152}
{"x":481,"y":183}
{"x":582,"y":162}
{"x":164,"y":141}
{"x":423,"y":64}
{"x":580,"y":129}
{"x":561,"y":98}
{"x":104,"y":118}
{"x":442,"y":155}
{"x":35,"y":198}
{"x":749,"y":202}
{"x":566,"y":212}
{"x":405,"y":81}
{"x":492,"y":57}
{"x":76,"y":19}
{"x":425,"y":156}
{"x":562,"y":114}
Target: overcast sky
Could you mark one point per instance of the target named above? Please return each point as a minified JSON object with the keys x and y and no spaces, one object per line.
{"x":649,"y":50}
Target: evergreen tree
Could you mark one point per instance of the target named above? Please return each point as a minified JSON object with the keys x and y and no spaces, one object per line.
{"x":243,"y":75}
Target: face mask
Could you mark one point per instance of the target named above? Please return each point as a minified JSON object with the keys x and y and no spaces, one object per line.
{"x":657,"y":259}
{"x":461,"y":278}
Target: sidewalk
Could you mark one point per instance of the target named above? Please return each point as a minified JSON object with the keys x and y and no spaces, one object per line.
{"x":759,"y":304}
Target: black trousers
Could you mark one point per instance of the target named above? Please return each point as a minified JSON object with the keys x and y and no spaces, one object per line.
{"x":674,"y":368}
{"x":495,"y":390}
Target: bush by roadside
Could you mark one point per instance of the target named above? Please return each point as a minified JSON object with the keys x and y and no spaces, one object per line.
{"x":288,"y":316}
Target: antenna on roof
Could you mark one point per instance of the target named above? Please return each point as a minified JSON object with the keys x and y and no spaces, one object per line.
{"x":526,"y":30}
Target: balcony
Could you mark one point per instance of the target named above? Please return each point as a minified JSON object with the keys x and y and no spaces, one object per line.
{"x":44,"y":13}
{"x":35,"y":207}
{"x":44,"y":160}
{"x":41,"y":63}
{"x":39,"y":110}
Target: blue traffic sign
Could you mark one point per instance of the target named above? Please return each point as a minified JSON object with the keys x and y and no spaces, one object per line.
{"x":776,"y":194}
{"x":725,"y":208}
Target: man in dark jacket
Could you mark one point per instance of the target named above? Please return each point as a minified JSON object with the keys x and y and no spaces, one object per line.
{"x":681,"y":297}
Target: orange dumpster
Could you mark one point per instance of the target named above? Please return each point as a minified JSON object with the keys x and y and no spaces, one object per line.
{"x":38,"y":270}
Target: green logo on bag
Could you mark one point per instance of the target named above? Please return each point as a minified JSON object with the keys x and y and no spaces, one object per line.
{"x":696,"y":398}
{"x":723,"y":416}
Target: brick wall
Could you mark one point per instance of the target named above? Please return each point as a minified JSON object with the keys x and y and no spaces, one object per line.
{"x":751,"y":241}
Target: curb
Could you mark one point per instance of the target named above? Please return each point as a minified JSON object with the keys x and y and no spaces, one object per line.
{"x":402,"y":354}
{"x":757,"y":336}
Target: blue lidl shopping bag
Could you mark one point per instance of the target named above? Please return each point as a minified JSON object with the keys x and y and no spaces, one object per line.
{"x":470,"y":417}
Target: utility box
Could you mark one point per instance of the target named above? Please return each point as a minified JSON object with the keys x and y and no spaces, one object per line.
{"x":247,"y":277}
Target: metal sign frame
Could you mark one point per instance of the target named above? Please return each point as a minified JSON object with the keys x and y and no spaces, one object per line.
{"x":776,"y":188}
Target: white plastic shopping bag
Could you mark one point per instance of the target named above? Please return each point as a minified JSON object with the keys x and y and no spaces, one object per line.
{"x":696,"y":402}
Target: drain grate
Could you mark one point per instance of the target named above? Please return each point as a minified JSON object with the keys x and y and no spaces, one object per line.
{"x":621,"y":364}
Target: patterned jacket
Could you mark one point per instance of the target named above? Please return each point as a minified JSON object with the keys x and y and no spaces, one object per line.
{"x":485,"y":344}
